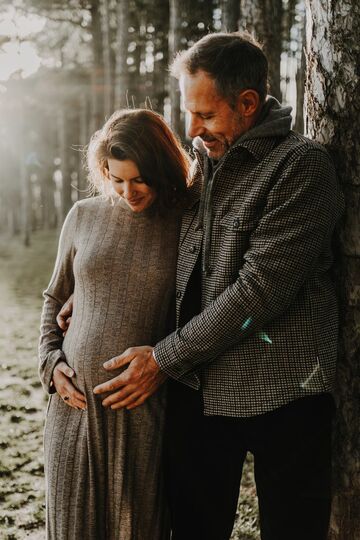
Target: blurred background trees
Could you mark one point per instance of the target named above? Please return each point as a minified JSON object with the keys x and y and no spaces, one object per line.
{"x":84,"y":59}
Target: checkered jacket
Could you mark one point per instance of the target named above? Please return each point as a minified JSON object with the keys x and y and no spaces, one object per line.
{"x":267,"y":333}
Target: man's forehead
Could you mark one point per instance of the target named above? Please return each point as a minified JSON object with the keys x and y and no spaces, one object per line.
{"x":198,"y":91}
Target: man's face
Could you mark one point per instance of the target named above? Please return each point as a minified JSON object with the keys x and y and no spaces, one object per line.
{"x":210,"y":116}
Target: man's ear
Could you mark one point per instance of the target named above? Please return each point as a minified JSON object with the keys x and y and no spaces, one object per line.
{"x":248,"y":103}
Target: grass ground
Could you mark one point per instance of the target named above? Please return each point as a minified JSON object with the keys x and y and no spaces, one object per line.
{"x":24,"y":273}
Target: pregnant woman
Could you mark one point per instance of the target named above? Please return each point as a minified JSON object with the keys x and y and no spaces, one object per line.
{"x":117,"y":255}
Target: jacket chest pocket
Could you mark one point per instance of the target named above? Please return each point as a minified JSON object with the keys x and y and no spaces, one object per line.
{"x":235,"y":229}
{"x":239,"y":222}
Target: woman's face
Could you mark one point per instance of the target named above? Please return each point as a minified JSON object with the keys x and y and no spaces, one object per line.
{"x":128,"y":184}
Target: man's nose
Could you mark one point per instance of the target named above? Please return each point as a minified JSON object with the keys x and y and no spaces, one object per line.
{"x":195,"y":127}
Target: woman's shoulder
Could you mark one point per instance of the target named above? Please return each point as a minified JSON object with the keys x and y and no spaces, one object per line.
{"x":93,"y":202}
{"x":90,"y":205}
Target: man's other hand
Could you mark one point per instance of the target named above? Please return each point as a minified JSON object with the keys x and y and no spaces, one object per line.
{"x":134,"y":385}
{"x":64,"y":316}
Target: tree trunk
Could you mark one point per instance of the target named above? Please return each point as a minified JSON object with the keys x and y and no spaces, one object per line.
{"x":264,"y":19}
{"x":25,"y":186}
{"x":47,"y":192}
{"x":230,"y":14}
{"x":300,"y":88}
{"x":332,"y":106}
{"x":97,"y":71}
{"x":66,"y":201}
{"x":107,"y":58}
{"x":161,"y":52}
{"x":175,"y":45}
{"x":122,"y":43}
{"x":84,"y":139}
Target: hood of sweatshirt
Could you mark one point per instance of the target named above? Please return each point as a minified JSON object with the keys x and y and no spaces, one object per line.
{"x":274,"y":121}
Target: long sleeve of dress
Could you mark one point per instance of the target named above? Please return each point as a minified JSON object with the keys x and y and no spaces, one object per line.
{"x":58,"y":291}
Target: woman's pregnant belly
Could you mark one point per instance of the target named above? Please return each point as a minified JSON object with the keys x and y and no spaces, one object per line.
{"x":87,"y":348}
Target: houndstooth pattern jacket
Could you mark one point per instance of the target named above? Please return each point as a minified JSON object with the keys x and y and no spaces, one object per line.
{"x":263,"y":225}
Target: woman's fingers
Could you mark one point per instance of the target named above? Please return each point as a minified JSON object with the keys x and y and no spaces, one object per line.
{"x":70,"y":399}
{"x":75,"y":403}
{"x":65,"y":388}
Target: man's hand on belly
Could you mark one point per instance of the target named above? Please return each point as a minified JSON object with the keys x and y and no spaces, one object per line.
{"x":134,"y":385}
{"x":64,"y":316}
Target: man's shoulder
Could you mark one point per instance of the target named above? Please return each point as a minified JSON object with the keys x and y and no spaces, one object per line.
{"x":296,"y":144}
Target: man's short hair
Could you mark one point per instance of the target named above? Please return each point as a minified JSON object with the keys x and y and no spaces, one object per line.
{"x":235,"y":61}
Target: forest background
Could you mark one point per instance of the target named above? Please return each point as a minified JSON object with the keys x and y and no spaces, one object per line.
{"x":64,"y":68}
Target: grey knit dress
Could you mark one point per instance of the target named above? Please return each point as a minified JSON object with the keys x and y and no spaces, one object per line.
{"x":103,"y":467}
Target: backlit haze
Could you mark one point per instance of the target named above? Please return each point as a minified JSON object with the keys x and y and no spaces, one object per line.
{"x":17,"y":53}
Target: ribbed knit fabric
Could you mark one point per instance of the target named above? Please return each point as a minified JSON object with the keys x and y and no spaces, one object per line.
{"x":103,"y":467}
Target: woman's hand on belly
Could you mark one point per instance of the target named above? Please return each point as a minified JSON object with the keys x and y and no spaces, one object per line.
{"x":62,"y":375}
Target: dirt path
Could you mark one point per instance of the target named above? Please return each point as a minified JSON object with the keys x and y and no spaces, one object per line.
{"x":24,"y":273}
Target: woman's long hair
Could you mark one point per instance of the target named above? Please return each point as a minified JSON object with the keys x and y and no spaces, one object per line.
{"x":143,"y":137}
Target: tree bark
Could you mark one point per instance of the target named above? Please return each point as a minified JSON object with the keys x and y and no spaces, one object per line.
{"x":300,"y":88}
{"x":230,"y":14}
{"x":84,"y":139}
{"x":122,"y":43}
{"x":264,"y":18}
{"x":175,"y":45}
{"x":332,"y":106}
{"x":97,"y":71}
{"x":25,"y":186}
{"x":161,"y":52}
{"x":66,"y":201}
{"x":107,"y":58}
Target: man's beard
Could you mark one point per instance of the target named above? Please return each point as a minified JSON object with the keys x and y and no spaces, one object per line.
{"x":225,"y":143}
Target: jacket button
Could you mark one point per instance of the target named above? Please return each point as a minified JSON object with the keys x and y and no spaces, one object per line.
{"x":236,"y":223}
{"x":192,"y":249}
{"x":178,"y":294}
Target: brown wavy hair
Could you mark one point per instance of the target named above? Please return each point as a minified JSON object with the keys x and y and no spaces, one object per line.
{"x":143,"y":137}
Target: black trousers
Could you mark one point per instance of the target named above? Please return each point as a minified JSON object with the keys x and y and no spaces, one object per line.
{"x":204,"y":456}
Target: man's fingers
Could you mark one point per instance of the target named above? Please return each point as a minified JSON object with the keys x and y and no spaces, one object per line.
{"x":64,"y":316}
{"x":138,"y":402}
{"x":65,"y":369}
{"x":61,"y":321}
{"x":113,"y":384}
{"x":118,"y":361}
{"x":119,"y":396}
{"x":129,"y":401}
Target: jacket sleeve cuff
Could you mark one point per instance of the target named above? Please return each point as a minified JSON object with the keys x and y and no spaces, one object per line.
{"x":46,"y":369}
{"x":165,"y":356}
